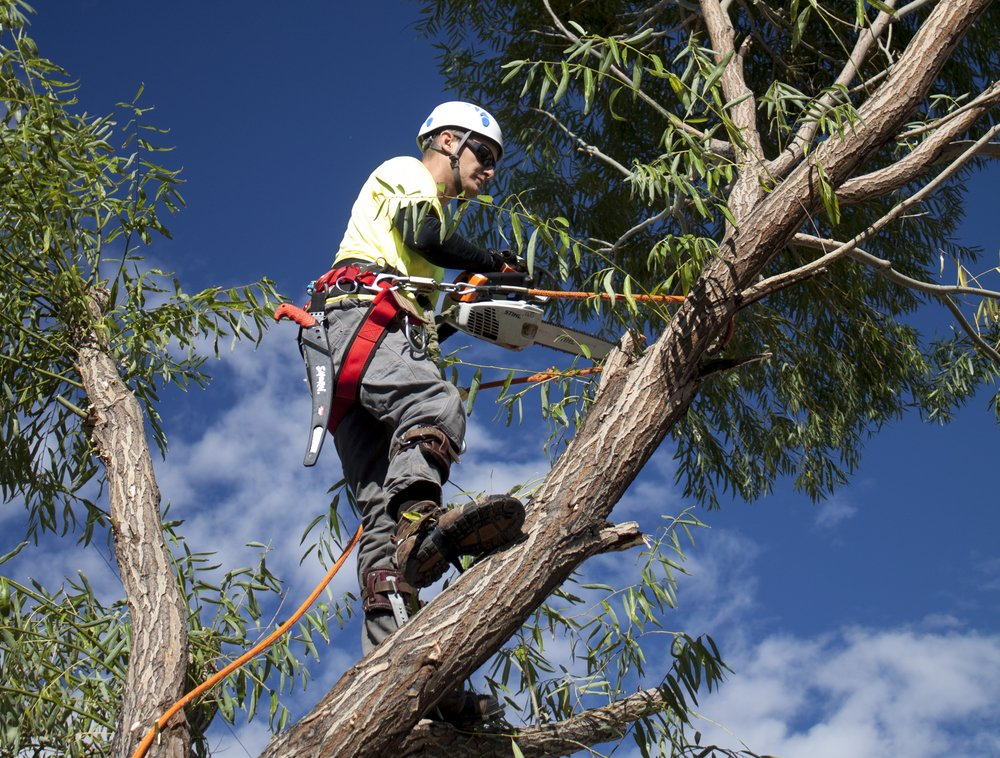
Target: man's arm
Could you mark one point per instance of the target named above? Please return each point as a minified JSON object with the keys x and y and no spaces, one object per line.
{"x":455,"y":252}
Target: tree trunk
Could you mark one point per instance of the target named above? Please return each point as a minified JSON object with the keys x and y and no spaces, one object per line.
{"x":158,"y":657}
{"x":375,"y":705}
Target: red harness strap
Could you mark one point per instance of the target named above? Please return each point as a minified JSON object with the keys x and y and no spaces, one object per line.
{"x":359,"y":354}
{"x":369,"y":335}
{"x":331,"y":404}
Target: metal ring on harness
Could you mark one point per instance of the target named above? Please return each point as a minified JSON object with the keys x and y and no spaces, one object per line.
{"x":348,"y":286}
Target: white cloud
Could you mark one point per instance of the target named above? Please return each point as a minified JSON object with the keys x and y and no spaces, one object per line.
{"x":833,"y":511}
{"x":653,"y":494}
{"x":239,"y":476}
{"x":861,"y":692}
{"x":720,"y":591}
{"x":918,"y":690}
{"x":238,"y":740}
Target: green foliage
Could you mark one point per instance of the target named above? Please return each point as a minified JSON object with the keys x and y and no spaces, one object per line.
{"x":230,"y":614}
{"x":64,"y":654}
{"x":63,"y":657}
{"x":587,"y":647}
{"x":619,"y":137}
{"x":81,"y":196}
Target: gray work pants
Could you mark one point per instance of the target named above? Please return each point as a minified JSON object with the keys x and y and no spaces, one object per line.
{"x":399,"y":392}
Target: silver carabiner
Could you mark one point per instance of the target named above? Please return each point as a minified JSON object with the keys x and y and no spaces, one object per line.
{"x":463,"y":288}
{"x":345,"y":285}
{"x":393,"y":280}
{"x":416,"y":338}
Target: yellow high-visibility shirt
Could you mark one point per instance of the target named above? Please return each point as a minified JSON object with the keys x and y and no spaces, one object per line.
{"x":371,"y":234}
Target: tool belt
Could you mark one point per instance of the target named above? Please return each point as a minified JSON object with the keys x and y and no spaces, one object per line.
{"x":334,"y":392}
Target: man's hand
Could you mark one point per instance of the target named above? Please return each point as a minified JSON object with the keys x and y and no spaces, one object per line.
{"x":506,"y":260}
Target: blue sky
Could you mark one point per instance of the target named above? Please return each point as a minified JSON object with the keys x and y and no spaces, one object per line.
{"x":861,"y":626}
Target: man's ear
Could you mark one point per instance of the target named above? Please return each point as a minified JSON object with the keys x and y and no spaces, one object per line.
{"x":446,"y":140}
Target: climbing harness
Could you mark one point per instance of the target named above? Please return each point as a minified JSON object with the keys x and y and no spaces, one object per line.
{"x":334,"y":392}
{"x":502,"y":308}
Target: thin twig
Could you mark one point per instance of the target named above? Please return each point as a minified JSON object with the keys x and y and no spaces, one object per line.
{"x":638,"y":228}
{"x":586,"y":147}
{"x":866,"y":38}
{"x":973,"y":335}
{"x":910,"y":7}
{"x":717,"y":146}
{"x":942,"y":292}
{"x":70,"y":406}
{"x":820,"y":265}
{"x":763,"y":288}
{"x":985,"y":99}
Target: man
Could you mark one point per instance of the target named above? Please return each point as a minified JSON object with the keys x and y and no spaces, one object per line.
{"x":398,"y":442}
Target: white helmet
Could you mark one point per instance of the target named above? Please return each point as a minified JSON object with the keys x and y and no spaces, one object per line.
{"x":464,"y":116}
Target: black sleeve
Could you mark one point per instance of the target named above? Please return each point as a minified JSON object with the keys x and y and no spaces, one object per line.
{"x":455,"y":252}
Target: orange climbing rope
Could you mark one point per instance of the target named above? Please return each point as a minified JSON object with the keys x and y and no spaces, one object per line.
{"x":605,"y":296}
{"x":143,"y":746}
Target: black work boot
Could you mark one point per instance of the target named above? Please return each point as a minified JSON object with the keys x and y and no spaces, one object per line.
{"x":466,"y":710}
{"x":428,"y":538}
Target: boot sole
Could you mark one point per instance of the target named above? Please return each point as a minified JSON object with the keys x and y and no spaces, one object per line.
{"x":479,"y":528}
{"x":485,"y":525}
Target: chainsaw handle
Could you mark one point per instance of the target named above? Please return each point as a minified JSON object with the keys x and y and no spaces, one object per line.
{"x":474,"y":280}
{"x":508,"y":277}
{"x":296,"y":314}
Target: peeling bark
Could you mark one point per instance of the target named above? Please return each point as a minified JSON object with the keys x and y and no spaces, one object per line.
{"x":158,"y":656}
{"x":923,"y":158}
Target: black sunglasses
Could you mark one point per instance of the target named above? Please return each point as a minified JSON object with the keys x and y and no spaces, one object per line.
{"x":483,"y":154}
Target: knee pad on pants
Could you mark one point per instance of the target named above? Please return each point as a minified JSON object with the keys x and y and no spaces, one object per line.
{"x":435,"y":445}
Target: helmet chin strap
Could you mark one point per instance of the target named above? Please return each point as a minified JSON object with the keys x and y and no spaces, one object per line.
{"x":453,"y":159}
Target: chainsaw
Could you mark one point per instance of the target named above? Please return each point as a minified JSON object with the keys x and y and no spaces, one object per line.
{"x":498,"y":308}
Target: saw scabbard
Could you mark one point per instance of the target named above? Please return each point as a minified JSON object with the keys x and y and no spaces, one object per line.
{"x":317,"y":355}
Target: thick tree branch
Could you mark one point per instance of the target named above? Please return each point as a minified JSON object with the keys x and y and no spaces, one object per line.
{"x":588,"y":728}
{"x":618,"y":537}
{"x":157,"y":664}
{"x":930,"y":152}
{"x":750,"y":153}
{"x":862,"y":46}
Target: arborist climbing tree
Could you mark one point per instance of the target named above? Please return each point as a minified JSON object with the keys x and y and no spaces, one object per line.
{"x":398,"y":425}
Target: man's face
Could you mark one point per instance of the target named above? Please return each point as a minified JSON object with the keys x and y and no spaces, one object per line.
{"x":476,"y":165}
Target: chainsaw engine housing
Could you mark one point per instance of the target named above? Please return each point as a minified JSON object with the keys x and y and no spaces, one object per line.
{"x":510,"y":324}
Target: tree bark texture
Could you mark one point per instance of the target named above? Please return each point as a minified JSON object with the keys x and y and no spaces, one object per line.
{"x":158,"y":656}
{"x":436,"y":740}
{"x":373,"y":708}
